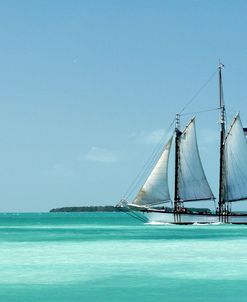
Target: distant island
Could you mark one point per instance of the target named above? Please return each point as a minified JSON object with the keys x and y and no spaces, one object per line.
{"x":87,"y":209}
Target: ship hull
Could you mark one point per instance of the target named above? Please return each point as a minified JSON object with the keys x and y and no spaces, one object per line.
{"x":190,"y":218}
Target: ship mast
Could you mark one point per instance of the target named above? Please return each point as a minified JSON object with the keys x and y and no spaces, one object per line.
{"x":177,"y":162}
{"x":222,"y":121}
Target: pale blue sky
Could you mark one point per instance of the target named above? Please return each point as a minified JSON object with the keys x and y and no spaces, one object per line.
{"x":88,"y":87}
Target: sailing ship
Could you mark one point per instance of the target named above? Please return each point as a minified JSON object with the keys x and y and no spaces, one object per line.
{"x":190,"y":182}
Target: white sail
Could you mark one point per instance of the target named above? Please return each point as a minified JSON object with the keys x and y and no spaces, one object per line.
{"x":192,"y":182}
{"x":235,"y":148}
{"x":156,"y":190}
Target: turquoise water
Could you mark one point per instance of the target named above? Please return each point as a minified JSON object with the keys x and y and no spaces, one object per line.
{"x":106,"y":257}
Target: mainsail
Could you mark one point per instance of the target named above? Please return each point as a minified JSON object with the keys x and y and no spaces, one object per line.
{"x":155,"y":190}
{"x":235,"y":174}
{"x":192,"y":182}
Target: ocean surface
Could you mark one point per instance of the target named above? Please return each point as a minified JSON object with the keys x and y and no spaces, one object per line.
{"x":105,"y":257}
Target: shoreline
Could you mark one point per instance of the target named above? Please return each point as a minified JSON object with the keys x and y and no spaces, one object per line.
{"x":86,"y":209}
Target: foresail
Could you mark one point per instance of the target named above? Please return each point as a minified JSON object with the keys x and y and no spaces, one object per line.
{"x":235,"y":148}
{"x":192,"y":182}
{"x":156,"y":190}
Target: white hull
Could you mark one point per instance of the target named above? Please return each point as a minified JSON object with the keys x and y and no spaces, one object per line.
{"x":184,"y":218}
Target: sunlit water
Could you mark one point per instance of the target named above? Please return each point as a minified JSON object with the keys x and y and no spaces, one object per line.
{"x":111,"y":257}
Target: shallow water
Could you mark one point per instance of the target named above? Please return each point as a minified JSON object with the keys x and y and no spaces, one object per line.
{"x":111,"y":257}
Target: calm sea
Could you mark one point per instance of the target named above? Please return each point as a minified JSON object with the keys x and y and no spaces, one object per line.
{"x":105,"y":257}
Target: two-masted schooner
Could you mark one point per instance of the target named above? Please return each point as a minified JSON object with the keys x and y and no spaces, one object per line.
{"x":190,"y":182}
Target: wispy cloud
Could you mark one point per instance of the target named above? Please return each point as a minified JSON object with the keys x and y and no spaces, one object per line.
{"x":99,"y":155}
{"x":153,"y":137}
